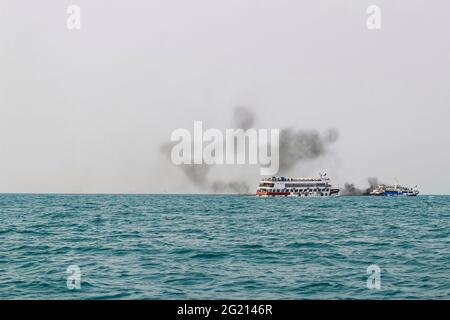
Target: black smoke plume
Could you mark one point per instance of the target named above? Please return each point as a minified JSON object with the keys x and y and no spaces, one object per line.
{"x":198,"y":174}
{"x":243,"y":118}
{"x":350,"y":189}
{"x":295,"y":147}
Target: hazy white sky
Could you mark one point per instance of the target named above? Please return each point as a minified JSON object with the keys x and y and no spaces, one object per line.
{"x":87,"y":110}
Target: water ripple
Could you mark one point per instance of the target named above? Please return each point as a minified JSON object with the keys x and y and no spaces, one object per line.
{"x":204,"y":247}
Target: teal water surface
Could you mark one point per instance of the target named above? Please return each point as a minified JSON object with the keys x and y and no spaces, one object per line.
{"x":223,"y":247}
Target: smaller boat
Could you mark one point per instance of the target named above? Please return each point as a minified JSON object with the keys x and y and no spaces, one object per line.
{"x":394,"y":190}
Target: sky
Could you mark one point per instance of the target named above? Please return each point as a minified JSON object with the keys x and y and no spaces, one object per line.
{"x":87,"y":111}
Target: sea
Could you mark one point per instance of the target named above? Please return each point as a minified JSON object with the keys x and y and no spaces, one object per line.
{"x":56,"y":246}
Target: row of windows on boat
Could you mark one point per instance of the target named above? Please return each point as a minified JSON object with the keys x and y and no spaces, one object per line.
{"x":289,"y":179}
{"x":295,"y":185}
{"x":296,"y":190}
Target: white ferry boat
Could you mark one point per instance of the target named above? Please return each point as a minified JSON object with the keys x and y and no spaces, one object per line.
{"x":296,"y":187}
{"x":395,"y":190}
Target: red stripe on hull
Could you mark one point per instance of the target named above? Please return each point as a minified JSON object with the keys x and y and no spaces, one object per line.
{"x":264,"y":193}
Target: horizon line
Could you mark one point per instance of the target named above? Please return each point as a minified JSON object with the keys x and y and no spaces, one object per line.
{"x":177,"y":194}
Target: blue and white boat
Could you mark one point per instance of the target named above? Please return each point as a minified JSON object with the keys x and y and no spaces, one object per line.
{"x":394,"y":190}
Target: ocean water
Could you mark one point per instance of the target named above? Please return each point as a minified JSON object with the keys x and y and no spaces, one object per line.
{"x":223,"y":247}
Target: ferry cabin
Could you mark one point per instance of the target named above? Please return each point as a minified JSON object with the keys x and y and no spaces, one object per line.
{"x":302,"y":187}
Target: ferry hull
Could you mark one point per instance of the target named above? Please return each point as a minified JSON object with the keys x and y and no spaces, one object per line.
{"x":271,"y":194}
{"x":394,"y":194}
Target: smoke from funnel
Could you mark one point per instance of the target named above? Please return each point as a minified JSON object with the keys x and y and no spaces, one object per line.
{"x":243,"y":118}
{"x":296,"y":146}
